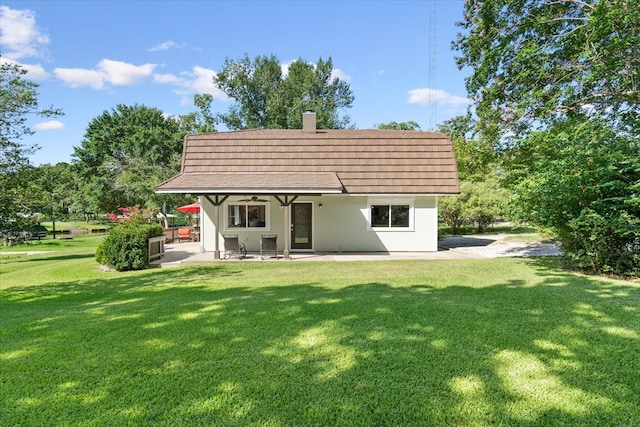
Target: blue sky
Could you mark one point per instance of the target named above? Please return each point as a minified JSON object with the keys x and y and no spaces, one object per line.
{"x":90,"y":56}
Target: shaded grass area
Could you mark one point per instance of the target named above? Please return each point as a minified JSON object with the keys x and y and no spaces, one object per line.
{"x":474,"y":342}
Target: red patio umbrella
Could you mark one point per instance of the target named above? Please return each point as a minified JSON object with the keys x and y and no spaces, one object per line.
{"x":192,"y":208}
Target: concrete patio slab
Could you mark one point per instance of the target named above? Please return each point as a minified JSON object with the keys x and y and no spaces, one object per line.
{"x":455,"y":247}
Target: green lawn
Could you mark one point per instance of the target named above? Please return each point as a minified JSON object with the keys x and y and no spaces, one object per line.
{"x":406,"y":343}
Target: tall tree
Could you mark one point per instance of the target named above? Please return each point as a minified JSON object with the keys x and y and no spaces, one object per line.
{"x":18,"y":102}
{"x":51,"y":189}
{"x":199,"y":121}
{"x":475,"y":158}
{"x":534,"y":61}
{"x":557,"y":89}
{"x":125,"y":153}
{"x":581,"y":178}
{"x":265,"y":98}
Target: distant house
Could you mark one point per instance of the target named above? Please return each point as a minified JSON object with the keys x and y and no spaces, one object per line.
{"x":319,"y":190}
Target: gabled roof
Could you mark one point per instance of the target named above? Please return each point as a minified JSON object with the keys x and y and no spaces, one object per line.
{"x":323,"y":161}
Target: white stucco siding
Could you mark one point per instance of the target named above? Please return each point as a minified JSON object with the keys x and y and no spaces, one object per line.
{"x":342,"y":225}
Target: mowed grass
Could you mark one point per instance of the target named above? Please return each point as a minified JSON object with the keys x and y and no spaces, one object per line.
{"x":406,"y":343}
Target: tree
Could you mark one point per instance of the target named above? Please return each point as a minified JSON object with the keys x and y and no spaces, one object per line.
{"x":18,"y":102}
{"x":475,"y":157}
{"x":480,"y":203}
{"x":410,"y":125}
{"x":125,"y":153}
{"x":482,"y":199}
{"x":534,"y":61}
{"x":199,"y":121}
{"x":267,"y":99}
{"x":486,"y":203}
{"x":581,"y":179}
{"x":557,"y":90}
{"x":50,"y":191}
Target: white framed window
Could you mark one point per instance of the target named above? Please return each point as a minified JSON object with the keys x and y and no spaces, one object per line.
{"x":247,"y":216}
{"x":391,"y":215}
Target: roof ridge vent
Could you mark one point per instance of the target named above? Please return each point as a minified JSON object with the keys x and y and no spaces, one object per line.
{"x":309,"y":121}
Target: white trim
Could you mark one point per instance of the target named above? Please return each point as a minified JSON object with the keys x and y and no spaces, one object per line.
{"x":253,"y":191}
{"x":391,"y":201}
{"x":405,"y":195}
{"x":225,"y":213}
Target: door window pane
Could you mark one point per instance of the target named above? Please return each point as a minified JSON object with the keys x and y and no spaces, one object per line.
{"x":301,"y":224}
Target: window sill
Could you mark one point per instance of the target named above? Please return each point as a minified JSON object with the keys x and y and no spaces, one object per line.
{"x":391,"y":229}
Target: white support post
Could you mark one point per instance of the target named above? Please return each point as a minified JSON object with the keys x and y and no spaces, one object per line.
{"x":287,"y":232}
{"x":216,"y":224}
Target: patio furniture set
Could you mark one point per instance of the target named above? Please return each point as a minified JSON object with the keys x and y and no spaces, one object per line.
{"x":233,"y":247}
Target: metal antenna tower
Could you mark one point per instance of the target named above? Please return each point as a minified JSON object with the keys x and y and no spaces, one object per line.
{"x":433,"y":64}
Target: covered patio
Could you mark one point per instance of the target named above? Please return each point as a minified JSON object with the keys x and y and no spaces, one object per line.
{"x":215,"y":189}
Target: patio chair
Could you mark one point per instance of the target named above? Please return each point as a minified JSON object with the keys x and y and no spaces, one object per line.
{"x":233,"y":246}
{"x":184,"y":234}
{"x":268,"y":244}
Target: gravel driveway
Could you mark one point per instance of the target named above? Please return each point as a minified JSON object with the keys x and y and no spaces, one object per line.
{"x":494,"y":246}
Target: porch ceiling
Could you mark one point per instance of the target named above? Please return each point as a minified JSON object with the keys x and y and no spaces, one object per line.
{"x":251,"y":182}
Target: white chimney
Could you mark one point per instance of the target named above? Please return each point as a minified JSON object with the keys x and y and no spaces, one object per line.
{"x":309,"y":121}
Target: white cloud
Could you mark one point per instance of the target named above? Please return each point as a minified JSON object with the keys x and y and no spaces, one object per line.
{"x":20,"y":37}
{"x":198,"y":80}
{"x":49,"y":125}
{"x":78,"y":77}
{"x":284,"y":67}
{"x":34,"y":71}
{"x":428,"y":96}
{"x":116,"y":73}
{"x":170,"y":79}
{"x":169,"y":44}
{"x":338,"y":73}
{"x":203,"y":82}
{"x":120,"y":73}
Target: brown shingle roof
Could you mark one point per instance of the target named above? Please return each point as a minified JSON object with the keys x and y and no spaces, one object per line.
{"x":352,"y":161}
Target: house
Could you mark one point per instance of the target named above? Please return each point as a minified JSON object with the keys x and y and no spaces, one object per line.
{"x":318,"y":190}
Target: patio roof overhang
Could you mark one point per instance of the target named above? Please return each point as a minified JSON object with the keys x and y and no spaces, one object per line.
{"x":253,"y":183}
{"x":285,"y":187}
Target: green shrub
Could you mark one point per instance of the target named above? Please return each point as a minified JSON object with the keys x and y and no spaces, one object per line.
{"x":481,"y":203}
{"x":451,"y":211}
{"x":126,"y":246}
{"x":603,"y":244}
